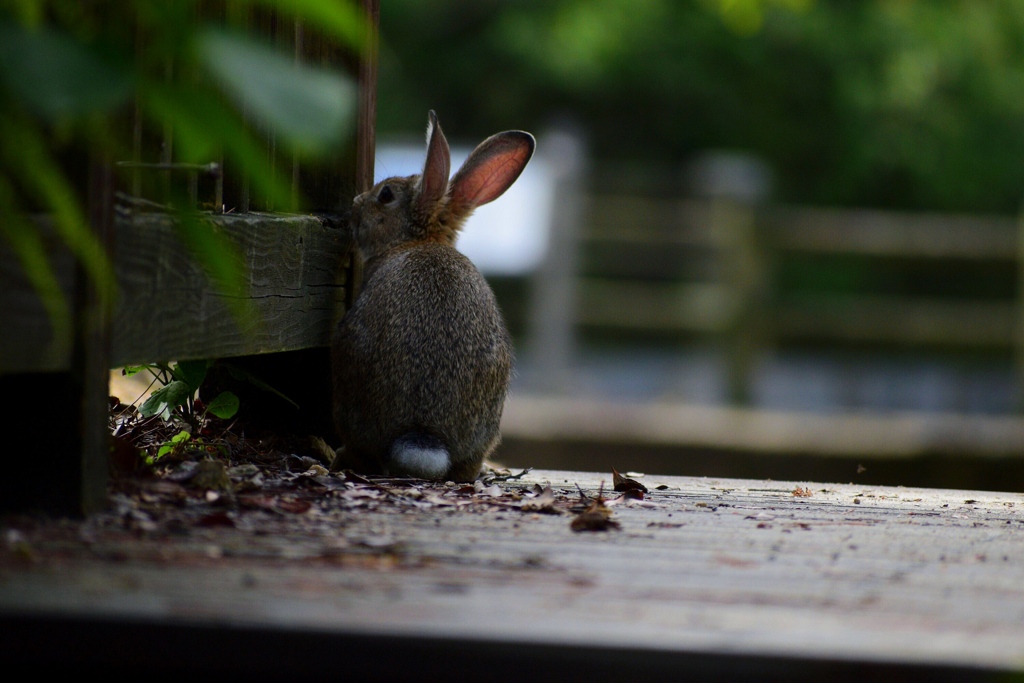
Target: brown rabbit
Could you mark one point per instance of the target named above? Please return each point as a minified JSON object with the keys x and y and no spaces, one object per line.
{"x":421,"y":362}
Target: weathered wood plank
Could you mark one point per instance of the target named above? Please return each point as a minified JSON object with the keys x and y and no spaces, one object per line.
{"x":167,"y":309}
{"x":628,"y":304}
{"x":898,"y":319}
{"x":296,"y":289}
{"x":703,"y":572}
{"x":28,"y":342}
{"x":620,"y":219}
{"x":710,"y":307}
{"x":777,"y":433}
{"x":893,"y":234}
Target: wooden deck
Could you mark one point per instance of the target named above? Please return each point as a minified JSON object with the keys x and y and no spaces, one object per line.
{"x":705,"y":579}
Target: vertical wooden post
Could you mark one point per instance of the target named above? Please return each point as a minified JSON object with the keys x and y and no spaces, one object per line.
{"x":298,"y":36}
{"x":1018,"y":354}
{"x":91,"y":357}
{"x":167,"y":145}
{"x":55,"y":428}
{"x":553,"y":310}
{"x":366,"y":135}
{"x":746,"y":277}
{"x":737,"y":186}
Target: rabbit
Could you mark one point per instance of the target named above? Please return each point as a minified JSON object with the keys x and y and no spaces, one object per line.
{"x":421,"y":362}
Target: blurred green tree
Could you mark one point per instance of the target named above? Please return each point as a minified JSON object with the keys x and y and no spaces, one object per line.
{"x":854,"y":102}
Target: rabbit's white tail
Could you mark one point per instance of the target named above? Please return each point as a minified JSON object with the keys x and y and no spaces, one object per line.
{"x":419,"y":455}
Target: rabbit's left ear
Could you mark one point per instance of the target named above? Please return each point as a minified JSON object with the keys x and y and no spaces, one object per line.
{"x":433,"y":183}
{"x":491,"y":169}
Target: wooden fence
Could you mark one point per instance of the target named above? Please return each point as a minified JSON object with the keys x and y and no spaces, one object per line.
{"x":714,"y":269}
{"x":300,"y":275}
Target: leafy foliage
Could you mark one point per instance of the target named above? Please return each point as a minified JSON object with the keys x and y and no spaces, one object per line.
{"x":70,"y":72}
{"x":890,"y":104}
{"x":177,"y":394}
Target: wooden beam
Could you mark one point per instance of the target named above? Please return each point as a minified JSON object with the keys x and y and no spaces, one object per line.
{"x":167,"y":308}
{"x":778,"y":433}
{"x":893,"y":234}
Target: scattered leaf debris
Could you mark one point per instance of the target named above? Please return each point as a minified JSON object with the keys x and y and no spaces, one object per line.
{"x":597,"y":516}
{"x":491,"y":474}
{"x":802,"y":492}
{"x":543,"y":501}
{"x":621,"y":483}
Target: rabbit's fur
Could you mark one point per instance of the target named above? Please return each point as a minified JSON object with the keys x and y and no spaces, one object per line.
{"x":421,"y":362}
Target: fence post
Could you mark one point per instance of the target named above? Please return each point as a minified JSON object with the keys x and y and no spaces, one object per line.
{"x":737,"y":185}
{"x":1018,"y":350}
{"x":56,"y":434}
{"x":553,"y":297}
{"x":91,"y":360}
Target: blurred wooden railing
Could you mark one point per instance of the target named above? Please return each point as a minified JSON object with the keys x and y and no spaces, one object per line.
{"x":713,"y":268}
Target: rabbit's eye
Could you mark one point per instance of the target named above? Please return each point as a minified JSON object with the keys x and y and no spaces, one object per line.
{"x":385,"y":195}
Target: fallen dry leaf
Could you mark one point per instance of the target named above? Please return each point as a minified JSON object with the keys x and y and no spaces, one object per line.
{"x":802,"y":492}
{"x":542,"y":502}
{"x":597,"y":516}
{"x":494,"y":491}
{"x":594,"y":519}
{"x":621,"y":483}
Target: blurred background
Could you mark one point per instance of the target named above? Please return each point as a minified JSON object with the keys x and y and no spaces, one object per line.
{"x":761,"y":238}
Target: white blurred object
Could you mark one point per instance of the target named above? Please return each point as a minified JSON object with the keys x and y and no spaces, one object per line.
{"x":506,"y":237}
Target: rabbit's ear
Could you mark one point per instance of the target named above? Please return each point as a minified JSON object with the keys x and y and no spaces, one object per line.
{"x":491,"y":169}
{"x":433,"y":183}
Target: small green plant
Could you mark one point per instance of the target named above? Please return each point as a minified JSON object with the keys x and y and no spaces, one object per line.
{"x":180,"y":382}
{"x":177,"y":395}
{"x":176,"y":443}
{"x":176,"y":400}
{"x":183,"y":444}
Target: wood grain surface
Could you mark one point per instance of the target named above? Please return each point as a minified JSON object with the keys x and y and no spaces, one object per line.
{"x":792,"y":574}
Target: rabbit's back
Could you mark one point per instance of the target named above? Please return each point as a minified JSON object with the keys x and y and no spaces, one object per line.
{"x":423,"y":351}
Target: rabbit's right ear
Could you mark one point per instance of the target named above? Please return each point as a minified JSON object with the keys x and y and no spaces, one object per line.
{"x":433,"y":183}
{"x":490,"y":170}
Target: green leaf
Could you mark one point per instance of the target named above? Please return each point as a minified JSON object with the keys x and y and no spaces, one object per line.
{"x":56,"y":76}
{"x":30,"y":12}
{"x":224,"y":406}
{"x":27,"y":244}
{"x":24,"y":151}
{"x":175,"y":442}
{"x":130,"y":370}
{"x":312,"y":109}
{"x":201,"y":123}
{"x":165,"y":399}
{"x":191,"y":372}
{"x":340,"y":19}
